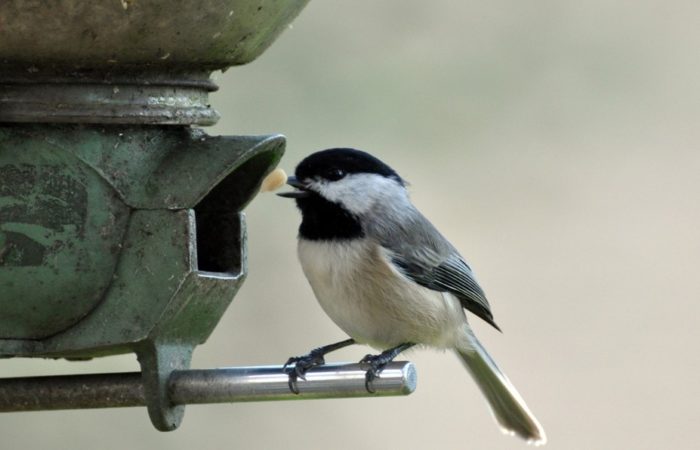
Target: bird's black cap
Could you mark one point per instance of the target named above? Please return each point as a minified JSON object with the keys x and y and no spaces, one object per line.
{"x":335,"y":163}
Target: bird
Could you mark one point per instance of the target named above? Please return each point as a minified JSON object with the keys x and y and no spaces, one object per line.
{"x":387,"y":277}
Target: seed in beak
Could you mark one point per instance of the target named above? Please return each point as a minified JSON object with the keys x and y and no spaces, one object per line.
{"x":276,"y":179}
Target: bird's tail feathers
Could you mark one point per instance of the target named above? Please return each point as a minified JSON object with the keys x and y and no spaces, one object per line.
{"x":508,"y":407}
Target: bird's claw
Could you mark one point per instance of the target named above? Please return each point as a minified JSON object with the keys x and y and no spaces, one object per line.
{"x":301,"y":364}
{"x":376,"y":365}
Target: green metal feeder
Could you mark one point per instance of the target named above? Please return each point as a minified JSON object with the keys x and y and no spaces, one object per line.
{"x":120,"y":224}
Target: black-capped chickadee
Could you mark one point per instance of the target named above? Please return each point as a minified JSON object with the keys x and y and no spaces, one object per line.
{"x":388,"y":278}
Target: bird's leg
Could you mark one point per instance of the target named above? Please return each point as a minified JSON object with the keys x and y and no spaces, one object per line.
{"x":312,"y":359}
{"x":378,"y":362}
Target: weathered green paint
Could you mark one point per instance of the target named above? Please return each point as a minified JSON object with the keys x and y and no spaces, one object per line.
{"x":98,"y":234}
{"x":210,"y":34}
{"x":119,"y":239}
{"x":158,"y":359}
{"x":111,"y":98}
{"x":128,"y":61}
{"x":49,"y":205}
{"x":126,"y":237}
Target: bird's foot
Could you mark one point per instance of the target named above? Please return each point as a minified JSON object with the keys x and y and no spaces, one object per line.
{"x":376,"y":365}
{"x":300,"y":365}
{"x":378,"y":362}
{"x":314,"y":358}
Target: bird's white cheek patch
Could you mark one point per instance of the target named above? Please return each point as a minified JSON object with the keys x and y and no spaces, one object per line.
{"x":359,"y":192}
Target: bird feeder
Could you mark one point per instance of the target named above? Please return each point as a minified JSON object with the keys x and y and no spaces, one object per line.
{"x":121,"y":225}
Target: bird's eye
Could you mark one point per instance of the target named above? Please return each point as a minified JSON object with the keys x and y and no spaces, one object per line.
{"x":335,"y":174}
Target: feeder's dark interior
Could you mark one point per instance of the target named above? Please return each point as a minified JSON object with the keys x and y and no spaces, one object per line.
{"x":217,"y":218}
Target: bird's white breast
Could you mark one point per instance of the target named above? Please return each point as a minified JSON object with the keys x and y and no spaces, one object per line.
{"x":366,"y":296}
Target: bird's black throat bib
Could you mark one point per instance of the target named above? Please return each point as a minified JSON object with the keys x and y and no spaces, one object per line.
{"x":325,"y":220}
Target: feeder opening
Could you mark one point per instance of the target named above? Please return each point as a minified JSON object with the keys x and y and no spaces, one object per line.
{"x":219,"y":246}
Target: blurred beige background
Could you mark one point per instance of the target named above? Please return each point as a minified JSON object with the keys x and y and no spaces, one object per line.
{"x":555,"y":143}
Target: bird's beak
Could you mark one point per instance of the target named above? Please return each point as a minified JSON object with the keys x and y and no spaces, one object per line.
{"x":300,"y":192}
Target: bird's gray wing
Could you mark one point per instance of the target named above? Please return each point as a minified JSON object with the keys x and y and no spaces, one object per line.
{"x":424,"y":256}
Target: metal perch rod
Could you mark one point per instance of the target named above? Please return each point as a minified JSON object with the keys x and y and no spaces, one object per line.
{"x":226,"y":385}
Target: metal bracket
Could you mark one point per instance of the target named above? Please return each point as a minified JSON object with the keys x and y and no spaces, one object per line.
{"x":158,"y":361}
